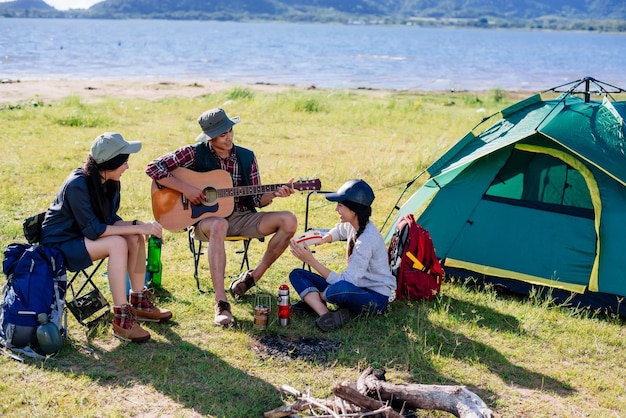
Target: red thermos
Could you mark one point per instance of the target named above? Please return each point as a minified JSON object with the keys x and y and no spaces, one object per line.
{"x":284,"y":305}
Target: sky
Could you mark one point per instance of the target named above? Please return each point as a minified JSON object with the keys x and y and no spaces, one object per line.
{"x":68,"y":4}
{"x":72,"y":4}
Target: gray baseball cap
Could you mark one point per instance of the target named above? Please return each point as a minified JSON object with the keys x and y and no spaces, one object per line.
{"x":214,"y":122}
{"x":111,"y":144}
{"x":357,"y":191}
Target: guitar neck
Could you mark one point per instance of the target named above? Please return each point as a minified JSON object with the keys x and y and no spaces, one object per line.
{"x":172,"y":209}
{"x":247,"y":190}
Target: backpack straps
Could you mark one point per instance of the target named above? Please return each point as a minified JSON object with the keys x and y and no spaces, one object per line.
{"x":417,"y":264}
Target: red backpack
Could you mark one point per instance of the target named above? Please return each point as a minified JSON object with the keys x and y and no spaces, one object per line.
{"x":413,"y":261}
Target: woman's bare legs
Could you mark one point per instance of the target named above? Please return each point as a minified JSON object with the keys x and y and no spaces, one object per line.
{"x":136,"y":261}
{"x":115,"y":248}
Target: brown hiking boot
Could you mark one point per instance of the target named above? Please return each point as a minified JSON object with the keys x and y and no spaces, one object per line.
{"x":223,"y":316}
{"x":125,"y":326}
{"x":146,"y":310}
{"x":240,"y":286}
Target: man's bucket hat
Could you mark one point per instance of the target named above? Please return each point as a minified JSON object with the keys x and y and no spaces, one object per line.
{"x":214,"y":122}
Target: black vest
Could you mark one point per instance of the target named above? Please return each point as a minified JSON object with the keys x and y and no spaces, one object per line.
{"x":205,"y":161}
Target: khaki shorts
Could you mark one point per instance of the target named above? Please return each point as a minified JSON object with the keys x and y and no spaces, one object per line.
{"x":245,"y":224}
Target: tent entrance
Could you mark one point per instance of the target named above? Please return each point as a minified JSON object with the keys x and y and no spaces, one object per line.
{"x":534,"y":223}
{"x":543,"y":182}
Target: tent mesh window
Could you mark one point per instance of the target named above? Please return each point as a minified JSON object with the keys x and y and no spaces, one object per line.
{"x":543,"y":182}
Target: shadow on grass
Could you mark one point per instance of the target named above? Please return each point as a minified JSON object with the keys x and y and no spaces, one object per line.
{"x":408,"y":325}
{"x":210,"y":385}
{"x":409,"y":338}
{"x":192,"y":377}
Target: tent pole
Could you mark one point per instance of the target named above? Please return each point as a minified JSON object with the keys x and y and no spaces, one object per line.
{"x":602,"y":88}
{"x":395,"y":206}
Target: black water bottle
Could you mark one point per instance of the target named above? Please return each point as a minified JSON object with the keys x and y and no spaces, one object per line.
{"x":48,"y":335}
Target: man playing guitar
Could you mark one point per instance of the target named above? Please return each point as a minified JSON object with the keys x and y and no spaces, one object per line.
{"x":216,"y":151}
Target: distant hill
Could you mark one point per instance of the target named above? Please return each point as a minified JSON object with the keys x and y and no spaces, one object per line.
{"x":26,"y":5}
{"x":552,"y":14}
{"x":464,"y":9}
{"x":29,"y":8}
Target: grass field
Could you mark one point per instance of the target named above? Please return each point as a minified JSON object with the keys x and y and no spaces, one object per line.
{"x":523,"y":357}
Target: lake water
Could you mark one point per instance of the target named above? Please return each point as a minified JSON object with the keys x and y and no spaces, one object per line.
{"x":327,"y":56}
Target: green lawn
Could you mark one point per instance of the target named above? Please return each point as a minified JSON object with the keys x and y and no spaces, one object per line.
{"x":523,"y":357}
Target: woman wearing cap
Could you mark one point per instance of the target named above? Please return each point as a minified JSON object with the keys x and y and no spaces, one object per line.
{"x":83,"y":224}
{"x":366,"y":286}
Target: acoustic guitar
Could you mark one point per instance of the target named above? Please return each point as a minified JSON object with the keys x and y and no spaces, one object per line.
{"x":174,"y":212}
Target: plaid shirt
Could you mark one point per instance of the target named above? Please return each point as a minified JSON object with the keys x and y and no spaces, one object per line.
{"x":186,"y":157}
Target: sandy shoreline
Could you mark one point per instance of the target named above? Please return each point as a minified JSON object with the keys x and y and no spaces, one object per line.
{"x":21,"y":91}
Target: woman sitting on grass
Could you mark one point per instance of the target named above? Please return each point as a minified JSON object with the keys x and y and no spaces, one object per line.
{"x":366,"y":286}
{"x":83,"y":224}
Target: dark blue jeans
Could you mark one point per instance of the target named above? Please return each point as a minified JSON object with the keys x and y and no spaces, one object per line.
{"x":342,"y":294}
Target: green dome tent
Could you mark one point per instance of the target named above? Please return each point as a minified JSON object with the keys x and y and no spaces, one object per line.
{"x":538,"y":198}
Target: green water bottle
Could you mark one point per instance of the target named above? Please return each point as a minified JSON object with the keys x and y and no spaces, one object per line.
{"x":153,"y":265}
{"x":156,"y":277}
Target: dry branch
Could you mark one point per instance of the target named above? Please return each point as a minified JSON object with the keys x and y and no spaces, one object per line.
{"x":344,"y":391}
{"x":373,"y":396}
{"x":457,"y":400}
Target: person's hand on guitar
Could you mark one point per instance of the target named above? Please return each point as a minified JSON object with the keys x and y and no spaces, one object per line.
{"x":186,"y":197}
{"x":191,"y":191}
{"x":284,"y":190}
{"x":194,"y":194}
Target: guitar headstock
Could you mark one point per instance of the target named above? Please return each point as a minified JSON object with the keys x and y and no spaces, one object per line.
{"x":304,"y":185}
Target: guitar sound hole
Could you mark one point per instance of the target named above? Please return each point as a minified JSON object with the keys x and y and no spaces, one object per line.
{"x":210,"y":195}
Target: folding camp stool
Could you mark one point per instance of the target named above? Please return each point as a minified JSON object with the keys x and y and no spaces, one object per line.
{"x":306,"y":216}
{"x":87,"y":303}
{"x":197,"y":252}
{"x":82,"y":297}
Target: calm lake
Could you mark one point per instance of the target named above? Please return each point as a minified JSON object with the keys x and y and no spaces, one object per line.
{"x":327,"y":56}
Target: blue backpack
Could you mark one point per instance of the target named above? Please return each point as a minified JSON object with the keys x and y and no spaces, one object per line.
{"x":36,"y":284}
